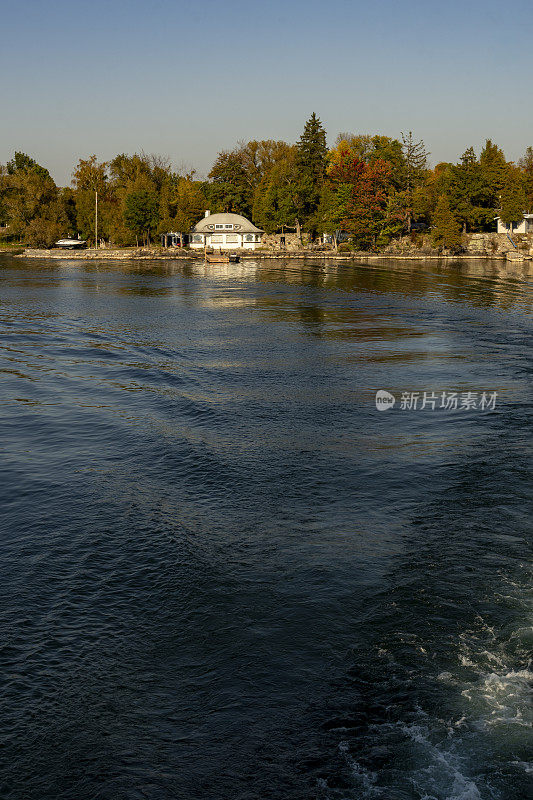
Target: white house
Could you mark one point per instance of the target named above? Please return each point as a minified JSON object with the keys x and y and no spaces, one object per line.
{"x":524,"y":226}
{"x":225,"y":232}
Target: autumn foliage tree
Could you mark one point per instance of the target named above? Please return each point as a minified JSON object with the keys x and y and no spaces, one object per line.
{"x":358,"y":199}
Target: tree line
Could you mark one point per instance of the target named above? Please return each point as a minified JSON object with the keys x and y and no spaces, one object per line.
{"x":367,"y":189}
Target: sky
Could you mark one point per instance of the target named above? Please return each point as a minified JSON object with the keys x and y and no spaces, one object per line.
{"x":188,"y":79}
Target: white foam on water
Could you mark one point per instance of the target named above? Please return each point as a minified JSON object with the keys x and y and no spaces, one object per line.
{"x":489,"y":720}
{"x":527,"y":766}
{"x":442,"y":776}
{"x":507,"y":698}
{"x":365,"y":779}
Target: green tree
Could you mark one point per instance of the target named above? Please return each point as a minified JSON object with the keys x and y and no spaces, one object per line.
{"x":231,"y":189}
{"x":132,"y":174}
{"x":526,"y":165}
{"x":415,"y":164}
{"x":141,"y":214}
{"x":51,"y":224}
{"x":27,"y":194}
{"x":89,"y":178}
{"x":36,"y":211}
{"x":494,"y":170}
{"x":446,"y":232}
{"x":513,"y":196}
{"x":311,"y":162}
{"x":237,"y":174}
{"x":186,"y":203}
{"x":23,"y":163}
{"x":467,"y":192}
{"x":276,"y":197}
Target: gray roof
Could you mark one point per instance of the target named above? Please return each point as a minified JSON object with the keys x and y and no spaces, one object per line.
{"x":240,"y":224}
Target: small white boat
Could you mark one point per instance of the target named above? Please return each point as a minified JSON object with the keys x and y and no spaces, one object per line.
{"x":71,"y":244}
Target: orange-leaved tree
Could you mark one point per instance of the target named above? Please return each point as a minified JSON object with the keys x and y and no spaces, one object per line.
{"x":360,"y":194}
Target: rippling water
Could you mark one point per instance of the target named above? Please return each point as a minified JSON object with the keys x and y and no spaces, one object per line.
{"x":224,"y":573}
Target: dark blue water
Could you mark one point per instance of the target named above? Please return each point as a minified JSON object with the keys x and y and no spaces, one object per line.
{"x":224,"y":573}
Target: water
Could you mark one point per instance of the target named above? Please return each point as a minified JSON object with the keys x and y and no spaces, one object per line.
{"x":224,"y":573}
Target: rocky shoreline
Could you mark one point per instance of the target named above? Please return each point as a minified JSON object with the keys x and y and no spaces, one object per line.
{"x":477,"y":246}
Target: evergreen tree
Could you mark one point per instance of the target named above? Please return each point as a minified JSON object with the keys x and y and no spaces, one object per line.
{"x":494,"y":174}
{"x":513,"y":197}
{"x":415,"y":163}
{"x":446,"y":232}
{"x":526,"y":165}
{"x":467,"y":192}
{"x":312,"y":149}
{"x":311,"y":162}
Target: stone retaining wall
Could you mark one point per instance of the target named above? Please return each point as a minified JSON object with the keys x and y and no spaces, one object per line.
{"x":476,"y":245}
{"x":481,"y":245}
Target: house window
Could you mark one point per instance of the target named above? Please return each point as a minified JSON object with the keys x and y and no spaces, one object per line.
{"x":228,"y":227}
{"x":219,"y":227}
{"x":232,"y":238}
{"x":249,"y":237}
{"x":197,"y":238}
{"x":217,"y":238}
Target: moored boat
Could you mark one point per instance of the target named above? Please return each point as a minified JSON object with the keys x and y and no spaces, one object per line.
{"x":71,"y":244}
{"x":233,"y":258}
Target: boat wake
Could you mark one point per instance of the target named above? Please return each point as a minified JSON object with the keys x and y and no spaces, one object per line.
{"x":459,"y":733}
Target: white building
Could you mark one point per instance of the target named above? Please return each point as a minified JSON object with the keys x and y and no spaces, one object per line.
{"x":225,"y":232}
{"x":524,"y":226}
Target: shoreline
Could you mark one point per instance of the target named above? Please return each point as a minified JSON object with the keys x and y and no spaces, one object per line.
{"x":158,"y":255}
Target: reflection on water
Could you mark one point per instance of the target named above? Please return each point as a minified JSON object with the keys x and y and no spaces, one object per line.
{"x":224,"y":573}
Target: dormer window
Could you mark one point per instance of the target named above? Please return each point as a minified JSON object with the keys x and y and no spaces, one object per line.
{"x":228,"y":227}
{"x":219,"y":227}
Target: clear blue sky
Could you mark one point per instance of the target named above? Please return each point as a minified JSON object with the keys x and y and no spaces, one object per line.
{"x":187,"y":79}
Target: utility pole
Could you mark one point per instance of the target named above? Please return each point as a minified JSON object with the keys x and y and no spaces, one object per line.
{"x":96,"y":219}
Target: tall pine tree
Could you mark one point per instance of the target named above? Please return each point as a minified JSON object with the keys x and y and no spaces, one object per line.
{"x":415,"y":162}
{"x":311,"y":162}
{"x":467,"y":191}
{"x":494,"y":171}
